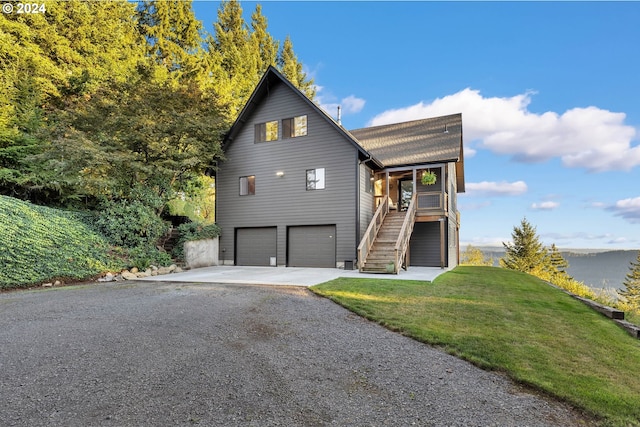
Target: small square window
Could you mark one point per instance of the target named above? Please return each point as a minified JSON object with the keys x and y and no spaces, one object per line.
{"x":247,"y":185}
{"x":315,"y":179}
{"x":294,"y":127}
{"x":267,"y":131}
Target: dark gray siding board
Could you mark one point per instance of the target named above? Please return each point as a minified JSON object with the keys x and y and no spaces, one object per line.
{"x":255,"y":246}
{"x":312,"y":246}
{"x":284,"y":201}
{"x":425,"y":245}
{"x":366,"y":201}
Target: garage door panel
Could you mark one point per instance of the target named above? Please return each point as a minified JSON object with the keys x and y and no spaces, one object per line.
{"x":255,"y":246}
{"x":425,"y":245}
{"x":312,"y":246}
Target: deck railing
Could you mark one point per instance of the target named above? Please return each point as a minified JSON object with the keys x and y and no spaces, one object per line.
{"x":372,"y":231}
{"x":402,"y":244}
{"x":433,"y":201}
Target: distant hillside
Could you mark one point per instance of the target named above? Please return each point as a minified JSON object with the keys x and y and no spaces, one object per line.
{"x":596,"y":268}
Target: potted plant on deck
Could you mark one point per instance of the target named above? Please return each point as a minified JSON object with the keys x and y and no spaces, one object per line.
{"x":428,"y":178}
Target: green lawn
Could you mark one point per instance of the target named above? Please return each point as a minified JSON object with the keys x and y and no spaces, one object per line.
{"x":512,"y":322}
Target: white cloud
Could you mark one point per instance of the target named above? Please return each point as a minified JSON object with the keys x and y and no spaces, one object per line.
{"x":628,"y":209}
{"x":545,"y":206}
{"x":350,"y":104}
{"x":590,"y":138}
{"x":491,"y":188}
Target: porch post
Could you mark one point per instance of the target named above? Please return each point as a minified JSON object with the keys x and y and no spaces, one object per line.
{"x":386,"y":180}
{"x":415,"y":184}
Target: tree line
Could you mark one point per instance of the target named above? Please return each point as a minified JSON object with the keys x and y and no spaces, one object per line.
{"x":111,"y":101}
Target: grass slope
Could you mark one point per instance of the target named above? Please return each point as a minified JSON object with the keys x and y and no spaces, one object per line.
{"x":515,"y":323}
{"x":38,"y":244}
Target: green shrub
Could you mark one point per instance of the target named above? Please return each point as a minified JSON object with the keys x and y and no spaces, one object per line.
{"x":130,"y":223}
{"x":39,"y":244}
{"x":144,"y":256}
{"x":193,"y":231}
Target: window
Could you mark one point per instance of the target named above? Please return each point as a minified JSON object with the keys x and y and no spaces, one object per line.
{"x":294,"y":127}
{"x":266,"y":131}
{"x":315,"y":179}
{"x":247,"y":185}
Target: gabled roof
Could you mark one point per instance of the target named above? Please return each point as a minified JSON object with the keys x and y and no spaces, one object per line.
{"x":271,"y":78}
{"x":433,"y":140}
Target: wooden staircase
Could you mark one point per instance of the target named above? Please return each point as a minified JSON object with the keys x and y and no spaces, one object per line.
{"x":381,"y":258}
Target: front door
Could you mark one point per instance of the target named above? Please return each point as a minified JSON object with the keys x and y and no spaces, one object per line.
{"x":406,"y":192}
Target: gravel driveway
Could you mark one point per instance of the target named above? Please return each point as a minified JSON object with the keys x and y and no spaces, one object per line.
{"x":161,"y":354}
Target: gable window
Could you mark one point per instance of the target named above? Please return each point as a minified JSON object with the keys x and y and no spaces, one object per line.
{"x":247,"y":185}
{"x":267,"y":131}
{"x":294,"y":127}
{"x":315,"y":179}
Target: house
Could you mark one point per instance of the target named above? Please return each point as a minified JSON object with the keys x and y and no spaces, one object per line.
{"x":297,"y":189}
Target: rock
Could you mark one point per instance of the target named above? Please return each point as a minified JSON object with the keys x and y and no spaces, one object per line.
{"x":47,"y":285}
{"x":153,"y":268}
{"x":154,"y":272}
{"x":172,"y":268}
{"x":119,"y":278}
{"x":145,"y":273}
{"x":164,"y":270}
{"x":127,"y":275}
{"x":57,"y":283}
{"x":134,"y":270}
{"x":178,"y":270}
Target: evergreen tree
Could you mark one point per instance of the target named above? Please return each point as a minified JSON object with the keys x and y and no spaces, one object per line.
{"x":46,"y":61}
{"x":173,"y":35}
{"x":262,"y":41}
{"x":526,"y":253}
{"x":291,"y":68}
{"x":632,"y":284}
{"x":233,"y":62}
{"x":557,"y":264}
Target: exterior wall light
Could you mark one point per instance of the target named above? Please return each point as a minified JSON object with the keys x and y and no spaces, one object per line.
{"x":280,"y":174}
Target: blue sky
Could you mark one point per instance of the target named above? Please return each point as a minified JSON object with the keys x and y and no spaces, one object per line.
{"x":549,"y":94}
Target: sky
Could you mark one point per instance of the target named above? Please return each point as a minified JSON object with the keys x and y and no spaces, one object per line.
{"x":549,"y":94}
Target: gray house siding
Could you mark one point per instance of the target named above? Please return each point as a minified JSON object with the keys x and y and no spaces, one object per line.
{"x":284,"y":201}
{"x":366,"y":201}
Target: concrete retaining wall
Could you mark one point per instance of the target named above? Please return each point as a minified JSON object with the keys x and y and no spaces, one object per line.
{"x":201,"y":253}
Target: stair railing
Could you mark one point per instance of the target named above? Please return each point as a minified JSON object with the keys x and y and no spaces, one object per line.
{"x":402,"y":244}
{"x":372,"y":231}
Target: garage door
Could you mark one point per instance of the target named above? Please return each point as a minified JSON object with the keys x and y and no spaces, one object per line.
{"x":255,"y":246}
{"x":312,"y":246}
{"x":425,"y":245}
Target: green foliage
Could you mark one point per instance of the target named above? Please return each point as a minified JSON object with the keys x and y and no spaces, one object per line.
{"x":292,"y":69}
{"x":526,"y":253}
{"x":193,"y":231}
{"x":39,"y":244}
{"x":130,"y":223}
{"x":144,"y":256}
{"x":631,"y":293}
{"x":47,"y":60}
{"x":514,"y":323}
{"x":474,"y":256}
{"x":196,"y":201}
